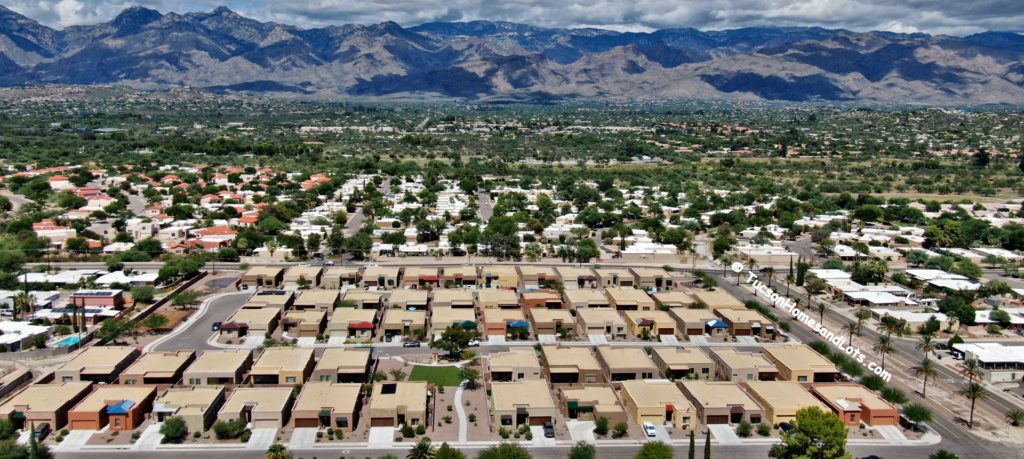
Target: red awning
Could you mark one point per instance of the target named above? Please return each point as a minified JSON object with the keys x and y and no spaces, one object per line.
{"x":364,"y":325}
{"x":670,"y":408}
{"x":428,"y":278}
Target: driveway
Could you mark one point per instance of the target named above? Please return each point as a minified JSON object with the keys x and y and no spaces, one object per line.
{"x":303,"y":438}
{"x":196,"y":332}
{"x":724,"y":434}
{"x":581,"y":431}
{"x":380,"y":437}
{"x":261,"y":439}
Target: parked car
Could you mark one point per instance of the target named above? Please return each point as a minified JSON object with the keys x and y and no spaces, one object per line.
{"x":549,"y":430}
{"x":216,"y":326}
{"x":785,"y":426}
{"x":649,"y":430}
{"x":474,"y":343}
{"x":411,"y":344}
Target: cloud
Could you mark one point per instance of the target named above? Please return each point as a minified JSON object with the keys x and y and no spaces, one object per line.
{"x":931,"y":16}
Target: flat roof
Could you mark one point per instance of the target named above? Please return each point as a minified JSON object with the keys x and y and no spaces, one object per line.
{"x":342,"y":271}
{"x":317,"y":296}
{"x":717,"y":394}
{"x":842,"y":394}
{"x":514,"y":358}
{"x":296,"y":272}
{"x":541,"y":295}
{"x":227,"y":360}
{"x":676,"y":357}
{"x":453,"y":295}
{"x":349,"y":315}
{"x":159,"y":364}
{"x":497,"y":295}
{"x":417,"y":271}
{"x":408,"y":296}
{"x":316,"y":395}
{"x":530,"y":393}
{"x":550,"y":315}
{"x":179,"y":397}
{"x":275,"y":359}
{"x":103,"y":395}
{"x":655,"y":315}
{"x":466,"y":272}
{"x":261,"y":398}
{"x":628,"y":295}
{"x":502,"y":315}
{"x":574,"y":273}
{"x":595,"y":315}
{"x":742,"y":315}
{"x":585,"y":295}
{"x":642,"y":272}
{"x":579,"y":358}
{"x":400,"y":316}
{"x":609,"y":272}
{"x":44,"y":397}
{"x":305,"y":315}
{"x":537,"y":271}
{"x":343,"y":358}
{"x":447,"y":316}
{"x":362,"y":296}
{"x":499,"y":270}
{"x":737,"y":359}
{"x":717,"y":299}
{"x":262,"y":316}
{"x":625,"y":357}
{"x":674,"y":299}
{"x":784,"y":394}
{"x":263,"y":271}
{"x":800,"y":357}
{"x":599,"y":396}
{"x":409,"y":394}
{"x":98,"y":359}
{"x":692,"y":315}
{"x":656,"y":393}
{"x":380,"y":271}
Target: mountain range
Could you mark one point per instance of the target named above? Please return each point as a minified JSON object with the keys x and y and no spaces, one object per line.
{"x":482,"y":60}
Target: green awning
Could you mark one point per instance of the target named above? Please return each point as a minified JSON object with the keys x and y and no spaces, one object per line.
{"x":325,"y":413}
{"x":573,"y":405}
{"x":468,"y":325}
{"x":18,"y":416}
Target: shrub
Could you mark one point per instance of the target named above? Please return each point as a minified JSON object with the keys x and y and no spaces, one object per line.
{"x":421,"y":429}
{"x":873,"y":382}
{"x":472,"y":417}
{"x":894,"y":395}
{"x":601,"y":426}
{"x":744,"y":429}
{"x":408,"y":431}
{"x":225,"y":430}
{"x":174,"y":430}
{"x":764,"y":430}
{"x":620,"y":430}
{"x":447,"y":419}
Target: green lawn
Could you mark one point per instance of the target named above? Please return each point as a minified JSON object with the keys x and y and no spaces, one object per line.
{"x":440,"y":376}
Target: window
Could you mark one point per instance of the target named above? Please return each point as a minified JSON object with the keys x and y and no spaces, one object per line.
{"x":66,"y":378}
{"x":341,"y":422}
{"x":704,"y":370}
{"x":194,"y":381}
{"x":521,"y":375}
{"x":289,"y":380}
{"x":117,"y":422}
{"x":852,"y":416}
{"x":325,"y":377}
{"x":415,"y":422}
{"x":130,"y":381}
{"x":801,"y":378}
{"x":750,"y":377}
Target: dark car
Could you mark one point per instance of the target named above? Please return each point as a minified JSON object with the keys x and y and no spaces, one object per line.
{"x":42,"y":430}
{"x":549,"y":430}
{"x":785,"y":427}
{"x":872,"y":457}
{"x":216,"y":326}
{"x":411,"y":344}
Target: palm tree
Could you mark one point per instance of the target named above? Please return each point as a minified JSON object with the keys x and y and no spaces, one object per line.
{"x":971,"y":369}
{"x":751,"y":264}
{"x":771,"y":273}
{"x":862,"y":316}
{"x":1015,"y":417}
{"x":973,"y":391}
{"x":813,"y":286}
{"x":852,"y":327}
{"x":22,"y":302}
{"x":278,"y":451}
{"x":884,"y":347}
{"x":953,"y":322}
{"x":925,"y":344}
{"x":421,"y":450}
{"x":789,"y":280}
{"x":926,"y":369}
{"x":726,"y":260}
{"x":822,"y":308}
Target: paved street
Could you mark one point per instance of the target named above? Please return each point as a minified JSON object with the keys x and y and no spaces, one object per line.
{"x":485,"y":204}
{"x":197,"y":331}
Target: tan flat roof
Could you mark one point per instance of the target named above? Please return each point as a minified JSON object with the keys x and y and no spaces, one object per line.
{"x":103,"y":395}
{"x":585,"y":295}
{"x":572,"y":357}
{"x":642,"y":272}
{"x":373,"y":272}
{"x":296,"y":272}
{"x":499,"y":270}
{"x":692,"y":315}
{"x":657,"y":316}
{"x":276,"y":298}
{"x":545,"y":272}
{"x":799,"y":357}
{"x":623,"y":273}
{"x":408,"y":394}
{"x":408,"y":296}
{"x":315,"y":396}
{"x":448,"y":316}
{"x":742,"y":316}
{"x":673,"y":299}
{"x":853,"y":393}
{"x":737,"y":359}
{"x":342,"y":271}
{"x":202,"y":396}
{"x":400,"y":316}
{"x":305,"y":315}
{"x":599,"y":315}
{"x":603,"y":398}
{"x":272,"y":271}
{"x":675,"y":357}
{"x":227,"y":360}
{"x":529,"y":393}
{"x":362,"y":296}
{"x":250,"y":316}
{"x":718,"y":394}
{"x":784,"y":394}
{"x":265,"y":399}
{"x":717,"y":299}
{"x":628,"y":295}
{"x":625,"y":357}
{"x":514,"y":358}
{"x":44,"y":397}
{"x":572,"y":273}
{"x":542,"y":315}
{"x":499,"y":296}
{"x":343,"y":358}
{"x":350,"y":315}
{"x":275,"y":359}
{"x":415,"y":272}
{"x":315,"y":297}
{"x":159,"y":364}
{"x":466,"y":272}
{"x":656,"y":393}
{"x":502,"y":315}
{"x":454,"y":296}
{"x":98,"y":359}
{"x":541,"y":295}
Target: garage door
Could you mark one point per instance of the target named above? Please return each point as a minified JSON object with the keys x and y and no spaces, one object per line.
{"x":266,"y":424}
{"x":666,"y":331}
{"x":721,"y":419}
{"x":539,"y":420}
{"x":883,"y":421}
{"x":382,"y":422}
{"x":307,"y":422}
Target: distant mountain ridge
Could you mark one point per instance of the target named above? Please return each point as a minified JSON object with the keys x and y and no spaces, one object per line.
{"x":483,"y":60}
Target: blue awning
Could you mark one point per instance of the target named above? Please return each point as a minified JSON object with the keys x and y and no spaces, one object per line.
{"x":717,"y":324}
{"x":121,"y":407}
{"x":519,"y":324}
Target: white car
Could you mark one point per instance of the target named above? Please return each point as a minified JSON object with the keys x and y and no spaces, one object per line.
{"x":474,"y":343}
{"x":649,"y":430}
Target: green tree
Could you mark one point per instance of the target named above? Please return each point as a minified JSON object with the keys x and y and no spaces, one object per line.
{"x":454,"y":340}
{"x":154,"y":321}
{"x":943,"y":454}
{"x":471,"y":376}
{"x":422,"y":450}
{"x":707,"y":444}
{"x":1015,"y":417}
{"x":278,"y":451}
{"x":692,"y":452}
{"x":655,"y":450}
{"x":582,"y":450}
{"x":174,"y":429}
{"x":926,"y":369}
{"x":972,"y":392}
{"x":143,"y":294}
{"x":917,"y":412}
{"x":884,"y":347}
{"x":112,"y":329}
{"x":447,"y":452}
{"x":505,"y":451}
{"x":814,"y":434}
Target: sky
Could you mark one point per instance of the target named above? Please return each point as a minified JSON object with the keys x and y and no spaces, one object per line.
{"x":952,"y":17}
